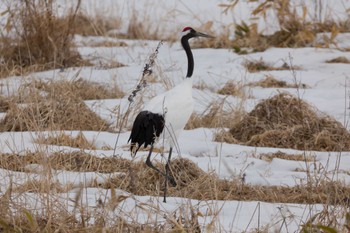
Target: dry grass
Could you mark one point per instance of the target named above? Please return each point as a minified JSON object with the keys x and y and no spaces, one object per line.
{"x":74,"y":161}
{"x":339,"y":60}
{"x":56,"y":105}
{"x":61,"y":113}
{"x":192,"y":181}
{"x":141,"y":180}
{"x":77,"y":88}
{"x":93,"y":26}
{"x":281,"y":155}
{"x":260,"y":65}
{"x":270,"y":81}
{"x":106,"y":43}
{"x":214,"y":117}
{"x":284,"y":121}
{"x":4,"y":103}
{"x":42,"y":40}
{"x":232,"y":88}
{"x":295,"y":29}
{"x":62,"y":139}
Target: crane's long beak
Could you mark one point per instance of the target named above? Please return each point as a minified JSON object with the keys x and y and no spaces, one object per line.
{"x":199,"y":34}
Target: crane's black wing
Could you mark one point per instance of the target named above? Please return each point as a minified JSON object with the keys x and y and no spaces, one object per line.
{"x":146,"y":128}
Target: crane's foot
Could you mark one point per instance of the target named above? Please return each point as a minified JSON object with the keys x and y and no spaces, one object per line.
{"x":172,"y":181}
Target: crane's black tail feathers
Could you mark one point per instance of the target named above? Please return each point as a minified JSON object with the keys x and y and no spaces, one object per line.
{"x":146,"y":128}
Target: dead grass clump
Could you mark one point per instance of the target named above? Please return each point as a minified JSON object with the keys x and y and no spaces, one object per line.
{"x":288,"y":122}
{"x":63,"y":113}
{"x":75,"y":161}
{"x":260,"y":65}
{"x":63,"y":139}
{"x":139,"y":29}
{"x":40,"y":186}
{"x":78,"y":88}
{"x":93,"y":26}
{"x":231,"y":88}
{"x":225,"y":136}
{"x":4,"y":104}
{"x":83,"y":162}
{"x":339,"y":60}
{"x":270,"y":81}
{"x":213,"y":117}
{"x":42,"y":39}
{"x":15,"y":162}
{"x":281,"y":155}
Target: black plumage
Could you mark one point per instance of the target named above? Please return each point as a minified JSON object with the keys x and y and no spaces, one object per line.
{"x":146,"y":128}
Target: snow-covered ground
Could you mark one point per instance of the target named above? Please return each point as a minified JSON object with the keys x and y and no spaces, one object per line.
{"x":327,"y":91}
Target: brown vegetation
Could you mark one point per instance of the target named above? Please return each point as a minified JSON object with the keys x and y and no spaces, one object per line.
{"x":339,"y":60}
{"x":295,"y":29}
{"x":56,"y":105}
{"x":260,"y":65}
{"x":287,"y":122}
{"x":63,"y":139}
{"x":42,"y":41}
{"x":232,"y":88}
{"x":192,"y":182}
{"x":214,"y":116}
{"x":77,"y":88}
{"x":270,"y":81}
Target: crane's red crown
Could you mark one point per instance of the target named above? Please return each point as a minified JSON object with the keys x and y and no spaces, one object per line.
{"x":186,"y":29}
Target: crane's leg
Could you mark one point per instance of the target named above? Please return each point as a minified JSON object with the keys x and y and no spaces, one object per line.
{"x":170,"y":178}
{"x":150,"y":164}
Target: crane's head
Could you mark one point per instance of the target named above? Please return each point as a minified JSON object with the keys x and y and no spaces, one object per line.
{"x":189,"y":32}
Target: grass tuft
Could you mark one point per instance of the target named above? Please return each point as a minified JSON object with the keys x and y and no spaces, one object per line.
{"x":339,"y":60}
{"x":42,"y":40}
{"x":270,"y":81}
{"x":285,"y":121}
{"x":63,"y":139}
{"x":61,"y":113}
{"x":260,"y":65}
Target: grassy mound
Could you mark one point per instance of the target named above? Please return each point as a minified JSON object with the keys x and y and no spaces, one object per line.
{"x":61,"y":113}
{"x":287,"y":122}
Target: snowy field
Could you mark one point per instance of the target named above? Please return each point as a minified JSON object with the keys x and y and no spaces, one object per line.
{"x":327,"y":90}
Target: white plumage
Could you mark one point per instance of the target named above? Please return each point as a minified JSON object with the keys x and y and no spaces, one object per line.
{"x":176,"y":105}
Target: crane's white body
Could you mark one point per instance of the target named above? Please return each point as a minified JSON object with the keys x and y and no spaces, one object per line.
{"x":176,"y":105}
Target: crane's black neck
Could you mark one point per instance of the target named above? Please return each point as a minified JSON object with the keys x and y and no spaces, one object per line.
{"x":186,"y":46}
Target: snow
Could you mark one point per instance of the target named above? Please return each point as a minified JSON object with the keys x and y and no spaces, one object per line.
{"x":327,"y":90}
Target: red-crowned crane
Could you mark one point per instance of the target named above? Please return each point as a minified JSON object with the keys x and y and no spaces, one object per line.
{"x":167,"y":113}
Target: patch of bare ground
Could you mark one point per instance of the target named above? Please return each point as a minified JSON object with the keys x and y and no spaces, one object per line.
{"x":284,"y":121}
{"x":339,"y":60}
{"x":270,"y":81}
{"x":260,"y":65}
{"x":232,"y":88}
{"x":192,"y":182}
{"x":281,"y":155}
